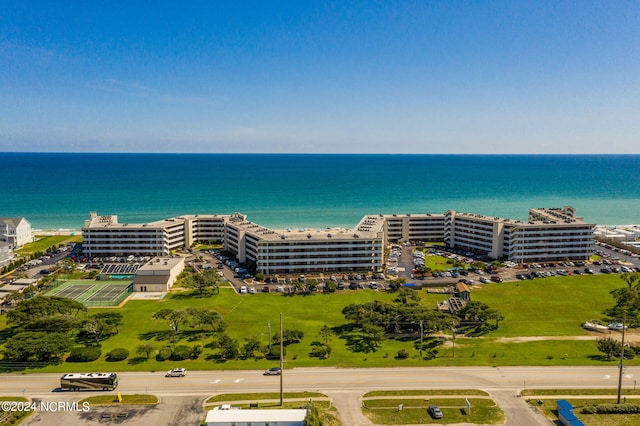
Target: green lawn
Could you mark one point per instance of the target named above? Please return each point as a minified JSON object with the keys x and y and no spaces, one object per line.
{"x":567,"y":302}
{"x":44,"y":242}
{"x":383,"y":410}
{"x":554,"y":306}
{"x":540,"y":399}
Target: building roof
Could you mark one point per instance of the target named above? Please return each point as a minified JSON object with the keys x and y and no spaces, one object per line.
{"x":368,"y":227}
{"x":285,"y":415}
{"x":462,"y":288}
{"x":15,"y":221}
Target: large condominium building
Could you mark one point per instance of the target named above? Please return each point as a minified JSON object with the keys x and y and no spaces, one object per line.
{"x":304,"y":250}
{"x":15,"y":231}
{"x":549,"y":234}
{"x":105,"y":236}
{"x":414,"y":227}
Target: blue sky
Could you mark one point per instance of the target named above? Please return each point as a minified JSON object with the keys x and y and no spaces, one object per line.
{"x":320,"y":77}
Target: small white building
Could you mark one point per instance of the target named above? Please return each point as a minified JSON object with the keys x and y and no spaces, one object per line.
{"x":285,"y":417}
{"x":159,"y":274}
{"x":15,"y":231}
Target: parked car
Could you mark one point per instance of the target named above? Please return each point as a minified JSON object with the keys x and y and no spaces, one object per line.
{"x":434,"y":412}
{"x":243,"y":290}
{"x":273,"y":371}
{"x":176,"y":372}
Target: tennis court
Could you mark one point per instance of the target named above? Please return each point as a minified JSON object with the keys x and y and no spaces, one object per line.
{"x":94,"y":292}
{"x":74,"y":291}
{"x":107,"y":293}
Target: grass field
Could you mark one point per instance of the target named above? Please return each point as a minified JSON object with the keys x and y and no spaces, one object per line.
{"x":383,"y":407}
{"x":545,"y":401}
{"x":545,"y":307}
{"x":44,"y":242}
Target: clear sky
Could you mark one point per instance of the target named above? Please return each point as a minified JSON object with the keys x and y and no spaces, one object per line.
{"x":320,"y":77}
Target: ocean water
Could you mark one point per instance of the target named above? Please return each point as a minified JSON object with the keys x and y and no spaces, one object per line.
{"x":58,"y":190}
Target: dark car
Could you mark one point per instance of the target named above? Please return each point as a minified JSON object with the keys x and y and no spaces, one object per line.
{"x":434,"y":412}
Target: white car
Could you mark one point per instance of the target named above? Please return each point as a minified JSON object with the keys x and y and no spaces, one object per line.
{"x":252,"y":290}
{"x":176,"y":372}
{"x":243,"y":290}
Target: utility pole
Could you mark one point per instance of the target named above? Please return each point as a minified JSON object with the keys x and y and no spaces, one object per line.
{"x":453,"y":336}
{"x":624,"y":325}
{"x":281,"y":362}
{"x":421,"y":338}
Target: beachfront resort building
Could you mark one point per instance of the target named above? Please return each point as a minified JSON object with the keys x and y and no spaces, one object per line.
{"x":15,"y":231}
{"x":304,"y":250}
{"x":550,"y":234}
{"x":105,"y":236}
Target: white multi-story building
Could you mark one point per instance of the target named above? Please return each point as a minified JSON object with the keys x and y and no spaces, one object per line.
{"x":414,"y":227}
{"x":15,"y":231}
{"x":105,"y":236}
{"x":550,"y":234}
{"x":304,"y":250}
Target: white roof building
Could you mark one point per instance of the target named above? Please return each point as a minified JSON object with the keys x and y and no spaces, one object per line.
{"x":256,"y":417}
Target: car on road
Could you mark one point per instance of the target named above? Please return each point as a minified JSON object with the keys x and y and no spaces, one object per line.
{"x":273,"y":371}
{"x":434,"y":412}
{"x":176,"y":372}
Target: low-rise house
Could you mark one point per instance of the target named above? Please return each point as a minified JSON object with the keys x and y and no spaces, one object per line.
{"x":15,"y":231}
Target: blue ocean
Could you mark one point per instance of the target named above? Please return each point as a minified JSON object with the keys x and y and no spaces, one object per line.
{"x":58,"y":190}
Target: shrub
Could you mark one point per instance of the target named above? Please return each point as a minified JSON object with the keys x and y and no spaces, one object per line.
{"x":589,"y":409}
{"x":195,"y":352}
{"x":180,"y":353}
{"x":118,"y":354}
{"x":618,"y":408}
{"x":402,"y":354}
{"x":163,"y":354}
{"x":84,"y":354}
{"x":274,"y":353}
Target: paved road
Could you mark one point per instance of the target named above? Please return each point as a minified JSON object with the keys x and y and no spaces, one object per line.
{"x":346,"y":386}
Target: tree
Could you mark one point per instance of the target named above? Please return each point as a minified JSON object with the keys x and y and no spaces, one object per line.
{"x":407,"y":296}
{"x":208,"y":317}
{"x":145,"y":349}
{"x":478,"y":311}
{"x":96,"y":327}
{"x":55,"y":323}
{"x":608,"y":346}
{"x":326,"y":333}
{"x":44,"y":306}
{"x":111,"y":320}
{"x":174,"y":317}
{"x":251,"y":345}
{"x":228,"y":347}
{"x":289,"y":336}
{"x":203,"y":282}
{"x":320,"y":350}
{"x":396,"y":284}
{"x":627,"y":300}
{"x":37,"y":346}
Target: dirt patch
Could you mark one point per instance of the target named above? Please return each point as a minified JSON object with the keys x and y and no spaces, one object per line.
{"x":629,"y":336}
